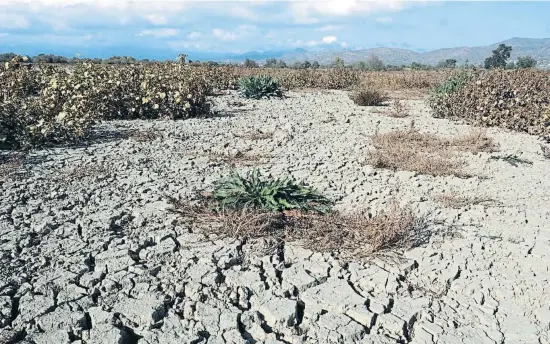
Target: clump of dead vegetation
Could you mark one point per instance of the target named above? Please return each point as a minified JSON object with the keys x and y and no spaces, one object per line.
{"x":9,"y":165}
{"x":256,"y":135}
{"x":365,"y":95}
{"x":545,"y":151}
{"x":252,"y":207}
{"x":399,"y":109}
{"x":410,"y":150}
{"x":144,"y":136}
{"x":355,"y":235}
{"x":458,"y":202}
{"x":512,"y":99}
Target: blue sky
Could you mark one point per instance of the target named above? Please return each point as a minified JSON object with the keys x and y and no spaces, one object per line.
{"x":162,"y":29}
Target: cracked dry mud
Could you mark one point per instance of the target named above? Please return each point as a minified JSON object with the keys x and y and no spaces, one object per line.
{"x":90,"y":252}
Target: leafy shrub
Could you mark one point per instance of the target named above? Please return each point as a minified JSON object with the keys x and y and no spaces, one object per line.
{"x":366,"y":96}
{"x":33,"y":109}
{"x":252,"y":191}
{"x":453,"y":84}
{"x":50,"y":105}
{"x":259,"y":86}
{"x":513,"y":99}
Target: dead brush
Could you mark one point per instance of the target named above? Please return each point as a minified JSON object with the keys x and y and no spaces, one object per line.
{"x":255,"y":135}
{"x":147,"y":135}
{"x":399,"y":109}
{"x":354,"y":236}
{"x":459,"y":202}
{"x":368,"y":96}
{"x":235,"y":159}
{"x":9,"y":165}
{"x":359,"y":235}
{"x":545,"y":151}
{"x":410,"y":150}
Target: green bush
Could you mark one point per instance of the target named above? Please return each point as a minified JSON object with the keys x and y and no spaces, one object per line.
{"x":259,"y":86}
{"x":252,"y":191}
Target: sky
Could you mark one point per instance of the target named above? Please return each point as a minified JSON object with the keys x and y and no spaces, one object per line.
{"x":165,"y":28}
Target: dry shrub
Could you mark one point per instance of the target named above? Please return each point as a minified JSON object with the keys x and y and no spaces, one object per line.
{"x":147,"y":135}
{"x":512,"y":99}
{"x":545,"y":151}
{"x":354,"y":236}
{"x":9,"y":164}
{"x":358,"y":235}
{"x":411,"y":150}
{"x":458,"y":202}
{"x":368,"y":96}
{"x":399,"y":109}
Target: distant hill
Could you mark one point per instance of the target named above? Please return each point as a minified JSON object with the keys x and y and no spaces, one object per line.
{"x":539,"y":49}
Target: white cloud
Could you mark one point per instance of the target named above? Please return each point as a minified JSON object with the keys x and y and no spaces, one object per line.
{"x":384,"y":20}
{"x":240,"y":32}
{"x":194,"y":35}
{"x":329,"y":28}
{"x":13,"y":21}
{"x":329,"y":39}
{"x":312,"y":43}
{"x":156,"y":19}
{"x":344,"y":44}
{"x":159,"y":32}
{"x":225,"y":35}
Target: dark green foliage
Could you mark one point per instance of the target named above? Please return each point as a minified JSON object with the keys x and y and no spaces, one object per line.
{"x":274,"y":63}
{"x":252,"y":191}
{"x":448,"y":63}
{"x":248,"y":63}
{"x":499,"y":58}
{"x":526,"y":62}
{"x":453,"y":84}
{"x":259,"y":86}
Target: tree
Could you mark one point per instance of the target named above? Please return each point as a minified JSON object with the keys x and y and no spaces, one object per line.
{"x":375,"y":63}
{"x":499,"y":58}
{"x":315,"y":65}
{"x":526,"y":62}
{"x":337,"y":63}
{"x":448,"y":63}
{"x":248,"y":63}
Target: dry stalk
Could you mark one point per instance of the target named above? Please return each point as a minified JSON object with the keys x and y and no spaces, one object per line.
{"x":399,"y":109}
{"x":356,"y":236}
{"x":459,"y":202}
{"x":411,"y":150}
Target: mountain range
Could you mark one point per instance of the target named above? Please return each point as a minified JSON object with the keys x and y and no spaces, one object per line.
{"x":538,"y":48}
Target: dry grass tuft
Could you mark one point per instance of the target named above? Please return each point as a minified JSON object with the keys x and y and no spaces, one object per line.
{"x":545,"y":151}
{"x":147,"y":135}
{"x":255,"y":135}
{"x":399,"y":109}
{"x":366,"y":96}
{"x":237,"y":159}
{"x":355,"y":236}
{"x":9,"y":165}
{"x":459,"y":202}
{"x":411,"y":150}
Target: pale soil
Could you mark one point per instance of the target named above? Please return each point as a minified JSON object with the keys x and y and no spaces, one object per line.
{"x":90,"y":252}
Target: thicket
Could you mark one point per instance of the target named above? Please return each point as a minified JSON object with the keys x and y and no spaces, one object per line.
{"x":513,"y":99}
{"x":51,"y":105}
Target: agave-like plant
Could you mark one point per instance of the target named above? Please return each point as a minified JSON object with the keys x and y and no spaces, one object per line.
{"x":259,"y":86}
{"x":237,"y":192}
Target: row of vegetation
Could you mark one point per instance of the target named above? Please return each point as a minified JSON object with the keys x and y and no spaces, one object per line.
{"x":499,"y":59}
